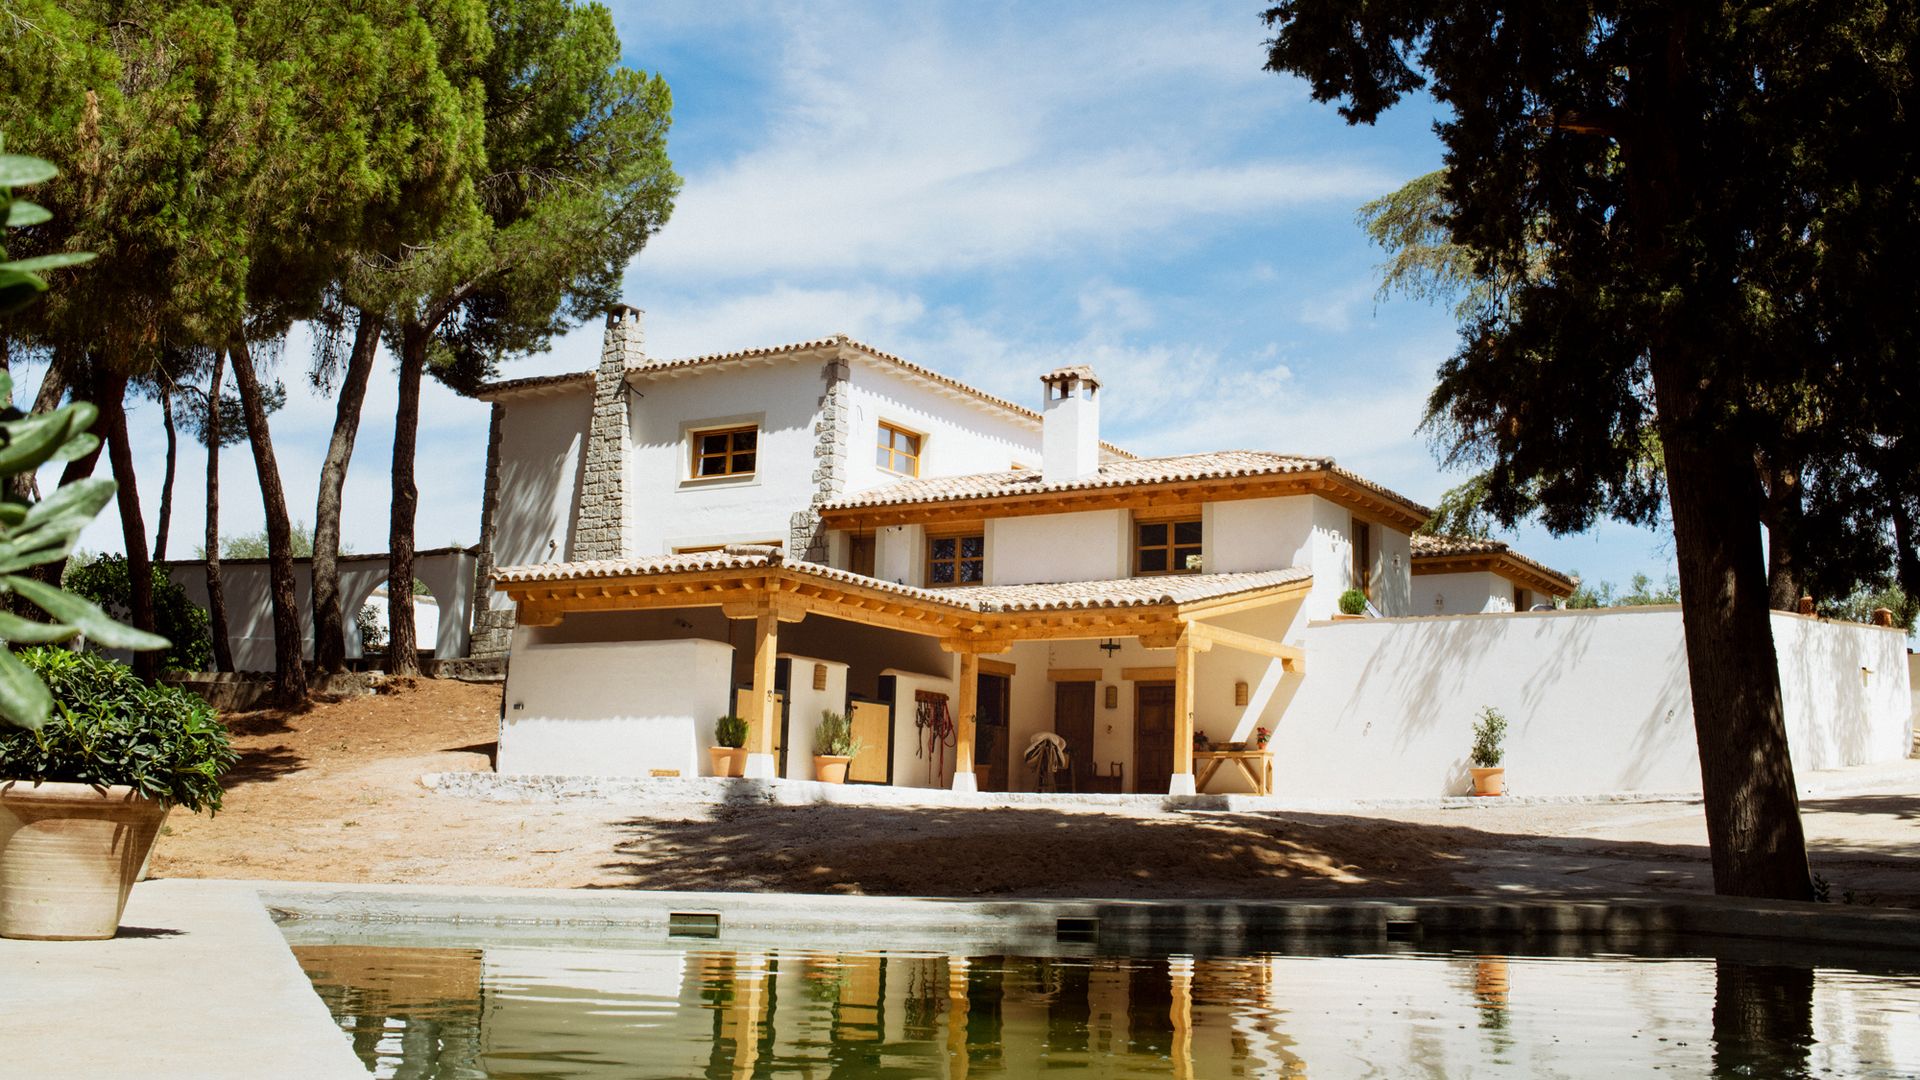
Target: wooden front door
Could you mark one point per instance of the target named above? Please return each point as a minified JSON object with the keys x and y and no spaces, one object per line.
{"x":990,"y":737}
{"x":1152,"y":736}
{"x":1073,"y":721}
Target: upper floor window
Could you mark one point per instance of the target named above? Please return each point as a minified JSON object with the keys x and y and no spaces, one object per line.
{"x":1167,"y":547}
{"x":899,"y":450}
{"x":956,"y":560}
{"x":726,"y":451}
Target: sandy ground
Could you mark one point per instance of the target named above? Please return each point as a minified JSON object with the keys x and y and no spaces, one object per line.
{"x":333,"y":794}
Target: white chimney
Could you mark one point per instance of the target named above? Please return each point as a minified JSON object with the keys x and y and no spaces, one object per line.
{"x":1070,"y":425}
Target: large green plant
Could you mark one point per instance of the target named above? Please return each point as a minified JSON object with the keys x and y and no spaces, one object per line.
{"x":110,"y":727}
{"x":107,"y":581}
{"x":34,"y":534}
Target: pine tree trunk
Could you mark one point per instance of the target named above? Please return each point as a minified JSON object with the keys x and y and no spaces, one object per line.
{"x":216,"y":588}
{"x":402,"y":636}
{"x":329,"y":622}
{"x":25,"y":486}
{"x":85,"y":379}
{"x":1784,"y":587}
{"x":289,"y":666}
{"x":1746,"y":775}
{"x":112,"y":400}
{"x":166,"y":483}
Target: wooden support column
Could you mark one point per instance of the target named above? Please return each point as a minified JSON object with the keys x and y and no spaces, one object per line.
{"x":963,"y":778}
{"x":761,"y":715}
{"x":1183,"y":671}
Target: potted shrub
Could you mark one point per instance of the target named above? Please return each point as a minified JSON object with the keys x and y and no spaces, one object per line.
{"x":1353,"y":605}
{"x":730,"y":756}
{"x":82,"y":798}
{"x":1488,"y":732}
{"x":834,"y":747}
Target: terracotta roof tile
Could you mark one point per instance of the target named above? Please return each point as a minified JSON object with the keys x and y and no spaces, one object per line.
{"x":1443,"y":547}
{"x":492,"y":391}
{"x":1219,"y":464}
{"x":1058,"y":596}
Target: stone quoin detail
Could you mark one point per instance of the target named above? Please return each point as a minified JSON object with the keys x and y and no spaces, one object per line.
{"x":601,"y":532}
{"x":807,"y":539}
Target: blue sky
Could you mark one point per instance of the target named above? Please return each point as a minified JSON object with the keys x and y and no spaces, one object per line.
{"x":991,"y":190}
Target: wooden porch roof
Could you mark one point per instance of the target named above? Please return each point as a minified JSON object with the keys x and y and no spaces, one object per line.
{"x":986,"y":618}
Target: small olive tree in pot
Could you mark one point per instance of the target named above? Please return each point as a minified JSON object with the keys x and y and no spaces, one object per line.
{"x":834,"y":747}
{"x":729,"y":755}
{"x":1489,"y":731}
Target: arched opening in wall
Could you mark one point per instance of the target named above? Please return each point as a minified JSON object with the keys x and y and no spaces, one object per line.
{"x":369,"y":638}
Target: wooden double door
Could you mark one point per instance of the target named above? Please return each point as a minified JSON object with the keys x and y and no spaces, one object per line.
{"x":1073,"y":720}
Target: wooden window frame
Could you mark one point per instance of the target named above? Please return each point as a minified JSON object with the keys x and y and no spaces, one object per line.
{"x":695,"y":457}
{"x":1172,"y":549}
{"x":958,"y":537}
{"x":887,"y":432}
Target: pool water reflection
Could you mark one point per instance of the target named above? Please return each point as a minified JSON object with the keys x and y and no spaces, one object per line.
{"x":711,"y":1010}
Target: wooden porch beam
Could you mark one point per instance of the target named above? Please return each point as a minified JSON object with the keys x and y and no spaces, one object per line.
{"x":1292,"y":657}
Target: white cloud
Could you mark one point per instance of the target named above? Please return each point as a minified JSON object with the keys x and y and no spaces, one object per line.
{"x":913,"y":145}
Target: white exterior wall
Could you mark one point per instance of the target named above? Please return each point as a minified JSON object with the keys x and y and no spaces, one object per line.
{"x":1087,"y":546}
{"x":1392,"y":571}
{"x":667,"y":509}
{"x":962,"y":434}
{"x":612,"y":708}
{"x":910,"y":769}
{"x":1597,"y":701}
{"x":541,"y":442}
{"x":804,"y":706}
{"x":1474,"y":593}
{"x":900,"y":554}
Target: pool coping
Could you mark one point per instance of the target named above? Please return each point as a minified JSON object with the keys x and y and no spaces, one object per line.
{"x":1176,"y":924}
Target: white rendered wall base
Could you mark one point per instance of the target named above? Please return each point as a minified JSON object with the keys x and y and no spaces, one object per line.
{"x":1596,"y":702}
{"x":621,"y":708}
{"x":760,"y":767}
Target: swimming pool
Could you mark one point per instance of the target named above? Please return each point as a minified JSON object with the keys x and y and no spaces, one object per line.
{"x":620,"y":1005}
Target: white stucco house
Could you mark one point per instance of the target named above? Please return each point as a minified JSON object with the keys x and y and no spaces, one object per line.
{"x":823,"y":525}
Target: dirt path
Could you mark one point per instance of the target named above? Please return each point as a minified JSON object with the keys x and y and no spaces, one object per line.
{"x":333,"y":794}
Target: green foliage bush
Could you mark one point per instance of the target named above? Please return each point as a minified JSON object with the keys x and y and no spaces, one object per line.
{"x":1353,"y":602}
{"x":834,"y":736}
{"x":730,"y":731}
{"x":106,"y":581}
{"x":108,"y":727}
{"x":1488,"y":733}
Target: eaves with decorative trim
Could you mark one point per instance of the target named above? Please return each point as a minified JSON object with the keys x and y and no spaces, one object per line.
{"x":551,"y":384}
{"x":1141,"y":483}
{"x":750,"y":575}
{"x":1472,"y":554}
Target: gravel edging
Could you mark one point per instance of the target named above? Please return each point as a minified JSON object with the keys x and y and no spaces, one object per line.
{"x":643,"y":791}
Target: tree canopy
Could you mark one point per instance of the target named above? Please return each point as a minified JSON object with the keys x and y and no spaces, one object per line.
{"x":1698,"y":217}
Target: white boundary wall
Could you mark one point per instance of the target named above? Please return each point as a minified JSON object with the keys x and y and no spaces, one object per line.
{"x":1596,"y":702}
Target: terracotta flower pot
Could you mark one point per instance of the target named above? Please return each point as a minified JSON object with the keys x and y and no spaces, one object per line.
{"x":68,"y":857}
{"x":1488,"y":781}
{"x":830,"y":768}
{"x":728,"y":760}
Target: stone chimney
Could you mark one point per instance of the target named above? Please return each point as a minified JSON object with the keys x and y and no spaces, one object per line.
{"x":600,"y":531}
{"x":1070,"y":425}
